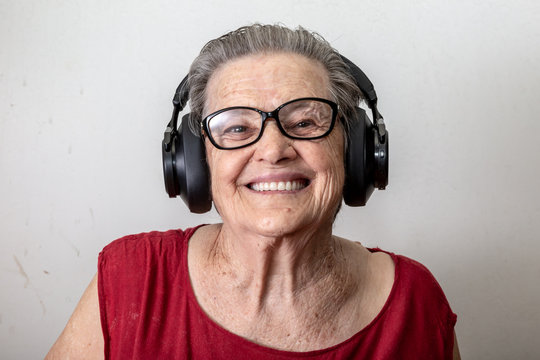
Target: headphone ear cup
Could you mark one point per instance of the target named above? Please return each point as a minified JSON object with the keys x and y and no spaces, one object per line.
{"x":359,"y":160}
{"x":380,"y":175}
{"x":171,"y":184}
{"x":190,"y":169}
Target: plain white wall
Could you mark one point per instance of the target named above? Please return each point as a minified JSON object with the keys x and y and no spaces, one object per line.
{"x":85,"y":90}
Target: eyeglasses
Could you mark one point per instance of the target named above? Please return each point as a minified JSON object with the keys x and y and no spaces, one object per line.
{"x":240,"y":126}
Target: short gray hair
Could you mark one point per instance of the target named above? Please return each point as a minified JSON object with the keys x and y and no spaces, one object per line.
{"x":256,"y":39}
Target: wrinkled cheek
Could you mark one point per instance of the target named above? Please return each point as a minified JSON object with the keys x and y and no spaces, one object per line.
{"x":331,"y":193}
{"x":336,"y":171}
{"x":223,"y":191}
{"x":337,"y":181}
{"x":215,"y":192}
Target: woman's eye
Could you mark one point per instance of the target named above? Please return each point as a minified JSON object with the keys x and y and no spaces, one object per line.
{"x":235,"y":129}
{"x":304,"y":124}
{"x":238,"y":132}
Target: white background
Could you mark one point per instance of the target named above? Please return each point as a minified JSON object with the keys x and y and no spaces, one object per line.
{"x":85,"y":90}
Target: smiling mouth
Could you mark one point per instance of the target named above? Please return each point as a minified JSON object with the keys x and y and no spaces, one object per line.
{"x":279,"y":185}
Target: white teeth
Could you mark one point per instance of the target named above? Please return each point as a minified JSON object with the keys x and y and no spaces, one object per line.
{"x":279,"y":186}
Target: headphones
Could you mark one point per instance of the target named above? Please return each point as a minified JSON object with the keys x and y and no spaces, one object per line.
{"x":366,"y":160}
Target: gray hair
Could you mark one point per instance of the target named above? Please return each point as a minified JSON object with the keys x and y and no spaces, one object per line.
{"x":256,"y":39}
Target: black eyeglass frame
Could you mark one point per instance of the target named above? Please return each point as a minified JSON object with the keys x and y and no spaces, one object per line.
{"x":273,"y":115}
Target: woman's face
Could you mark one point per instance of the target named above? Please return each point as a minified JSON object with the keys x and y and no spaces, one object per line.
{"x":314,"y":168}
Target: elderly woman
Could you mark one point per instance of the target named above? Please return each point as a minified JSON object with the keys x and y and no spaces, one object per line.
{"x":273,"y":110}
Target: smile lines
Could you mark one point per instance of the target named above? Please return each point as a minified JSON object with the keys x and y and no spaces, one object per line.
{"x":279,"y":186}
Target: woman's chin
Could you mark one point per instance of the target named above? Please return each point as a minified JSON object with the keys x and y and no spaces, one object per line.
{"x":278,"y":223}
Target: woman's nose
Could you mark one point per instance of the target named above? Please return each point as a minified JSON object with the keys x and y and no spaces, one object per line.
{"x":273,"y":146}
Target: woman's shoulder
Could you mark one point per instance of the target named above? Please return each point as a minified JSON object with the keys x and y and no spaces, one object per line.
{"x":407,"y":268}
{"x":137,"y":239}
{"x":396,"y":269}
{"x":145,"y":240}
{"x":136,"y":253}
{"x":415,"y":276}
{"x":416,"y":288}
{"x":408,"y":282}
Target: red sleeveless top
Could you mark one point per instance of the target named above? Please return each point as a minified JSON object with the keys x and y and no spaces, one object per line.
{"x":149,"y":311}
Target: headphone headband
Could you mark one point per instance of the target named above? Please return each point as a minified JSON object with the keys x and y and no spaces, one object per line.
{"x":181,"y":95}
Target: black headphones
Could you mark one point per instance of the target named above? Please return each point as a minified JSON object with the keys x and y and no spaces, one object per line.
{"x":366,"y":161}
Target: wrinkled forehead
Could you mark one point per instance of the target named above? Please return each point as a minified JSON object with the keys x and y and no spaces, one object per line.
{"x":265,"y":81}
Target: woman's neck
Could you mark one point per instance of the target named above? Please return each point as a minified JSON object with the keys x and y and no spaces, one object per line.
{"x":296,"y":293}
{"x":290,"y":271}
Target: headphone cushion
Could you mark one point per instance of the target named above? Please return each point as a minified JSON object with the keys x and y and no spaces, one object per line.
{"x":191,"y":169}
{"x":359,"y":161}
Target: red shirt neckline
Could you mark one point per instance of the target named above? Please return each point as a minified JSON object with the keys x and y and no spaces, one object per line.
{"x":245,"y":342}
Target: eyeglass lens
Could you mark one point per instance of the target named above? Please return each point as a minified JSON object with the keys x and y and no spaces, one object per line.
{"x":303,"y":119}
